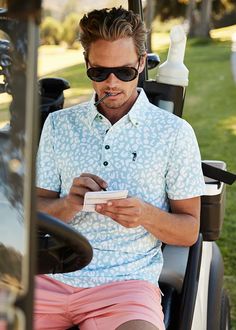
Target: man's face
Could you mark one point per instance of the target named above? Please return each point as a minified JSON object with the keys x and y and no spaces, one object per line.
{"x":116,"y":53}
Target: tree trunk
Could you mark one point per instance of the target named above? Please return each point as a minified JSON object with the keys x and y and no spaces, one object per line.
{"x":3,"y":4}
{"x":191,"y":17}
{"x":205,"y":19}
{"x":149,"y":14}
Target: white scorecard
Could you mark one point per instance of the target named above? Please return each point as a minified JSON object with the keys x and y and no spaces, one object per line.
{"x":101,"y":197}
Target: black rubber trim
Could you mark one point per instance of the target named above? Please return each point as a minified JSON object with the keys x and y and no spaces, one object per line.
{"x":215,"y":289}
{"x":218,"y":174}
{"x":157,"y":91}
{"x":170,"y":303}
{"x":60,"y":247}
{"x":190,"y":286}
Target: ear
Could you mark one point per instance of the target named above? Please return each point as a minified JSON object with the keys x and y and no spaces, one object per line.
{"x":142,"y":62}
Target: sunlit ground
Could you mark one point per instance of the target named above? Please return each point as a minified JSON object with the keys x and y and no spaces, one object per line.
{"x":230,"y":124}
{"x":224,"y":34}
{"x":53,"y":58}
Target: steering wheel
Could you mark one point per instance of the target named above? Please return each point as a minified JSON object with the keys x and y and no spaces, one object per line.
{"x":61,"y":249}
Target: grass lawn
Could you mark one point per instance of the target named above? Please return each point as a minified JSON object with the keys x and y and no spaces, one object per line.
{"x":210,"y":107}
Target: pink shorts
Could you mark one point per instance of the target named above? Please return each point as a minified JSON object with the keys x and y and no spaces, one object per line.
{"x":3,"y":325}
{"x":60,"y":306}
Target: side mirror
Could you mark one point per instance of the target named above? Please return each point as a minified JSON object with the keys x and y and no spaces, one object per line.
{"x":152,"y":61}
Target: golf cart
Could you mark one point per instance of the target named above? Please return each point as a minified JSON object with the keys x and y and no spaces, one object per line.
{"x":35,"y":243}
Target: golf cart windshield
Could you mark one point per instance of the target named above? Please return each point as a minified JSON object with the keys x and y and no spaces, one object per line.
{"x":17,"y":101}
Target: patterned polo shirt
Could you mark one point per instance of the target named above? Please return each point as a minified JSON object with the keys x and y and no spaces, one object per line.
{"x":150,"y":152}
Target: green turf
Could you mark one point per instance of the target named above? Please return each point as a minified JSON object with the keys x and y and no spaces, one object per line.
{"x":4,"y":115}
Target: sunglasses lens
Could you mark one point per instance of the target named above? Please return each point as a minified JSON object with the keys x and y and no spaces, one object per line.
{"x":97,"y":74}
{"x":126,"y":73}
{"x":122,"y":73}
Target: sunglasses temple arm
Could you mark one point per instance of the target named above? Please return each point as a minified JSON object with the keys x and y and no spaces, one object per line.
{"x":101,"y":99}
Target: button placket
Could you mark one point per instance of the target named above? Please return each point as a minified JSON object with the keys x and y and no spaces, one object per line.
{"x":106,"y":148}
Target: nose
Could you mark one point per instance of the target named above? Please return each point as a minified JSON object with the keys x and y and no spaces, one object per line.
{"x":112,"y":80}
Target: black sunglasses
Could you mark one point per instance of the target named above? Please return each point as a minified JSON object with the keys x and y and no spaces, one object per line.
{"x":124,"y":73}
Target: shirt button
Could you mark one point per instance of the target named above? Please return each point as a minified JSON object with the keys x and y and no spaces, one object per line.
{"x":107,"y":147}
{"x":105,"y":163}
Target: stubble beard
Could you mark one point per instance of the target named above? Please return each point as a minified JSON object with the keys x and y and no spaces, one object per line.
{"x":119,"y":104}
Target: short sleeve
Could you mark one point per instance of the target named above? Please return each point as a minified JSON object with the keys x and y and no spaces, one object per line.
{"x":184,"y":174}
{"x":47,"y":175}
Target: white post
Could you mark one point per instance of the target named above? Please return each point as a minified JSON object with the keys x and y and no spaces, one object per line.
{"x":233,"y":56}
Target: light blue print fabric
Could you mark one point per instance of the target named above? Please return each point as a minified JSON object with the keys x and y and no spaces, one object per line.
{"x":150,"y":152}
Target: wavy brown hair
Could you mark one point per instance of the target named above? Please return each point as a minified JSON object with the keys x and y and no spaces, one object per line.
{"x":112,"y":24}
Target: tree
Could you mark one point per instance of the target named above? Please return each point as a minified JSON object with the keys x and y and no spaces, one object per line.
{"x":71,"y":6}
{"x":199,"y":19}
{"x":199,"y":14}
{"x":191,"y":18}
{"x":71,"y":29}
{"x":3,"y":4}
{"x":149,"y":15}
{"x":203,"y":29}
{"x":167,"y":9}
{"x":50,"y":31}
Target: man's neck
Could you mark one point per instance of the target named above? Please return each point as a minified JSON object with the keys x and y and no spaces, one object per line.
{"x":115,"y":114}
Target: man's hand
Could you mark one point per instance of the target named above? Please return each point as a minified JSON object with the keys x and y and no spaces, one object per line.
{"x":81,"y":185}
{"x":66,"y":208}
{"x":128,"y":212}
{"x":180,"y":227}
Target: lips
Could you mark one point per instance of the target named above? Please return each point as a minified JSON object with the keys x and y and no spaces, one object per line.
{"x":112,"y":93}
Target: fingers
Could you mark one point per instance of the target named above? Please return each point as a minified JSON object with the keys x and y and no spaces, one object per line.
{"x":78,"y":190}
{"x":126,"y":212}
{"x":128,"y":220}
{"x":121,"y":214}
{"x":100,"y":182}
{"x":124,"y":206}
{"x":84,"y":183}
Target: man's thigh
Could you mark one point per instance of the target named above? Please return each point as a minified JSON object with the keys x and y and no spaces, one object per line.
{"x":121,"y":305}
{"x":51,"y":322}
{"x":51,"y":304}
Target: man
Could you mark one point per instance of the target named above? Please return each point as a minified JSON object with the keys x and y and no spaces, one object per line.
{"x":118,"y":140}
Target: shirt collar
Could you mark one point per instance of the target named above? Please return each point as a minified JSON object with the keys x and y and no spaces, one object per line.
{"x":137,"y":112}
{"x":135,"y":115}
{"x":92,"y":112}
